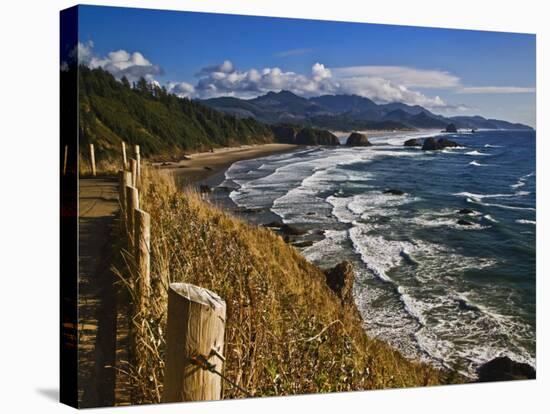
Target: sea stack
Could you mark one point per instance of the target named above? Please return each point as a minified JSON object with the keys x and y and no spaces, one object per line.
{"x":358,"y":140}
{"x":451,"y":128}
{"x":313,"y":136}
{"x":413,"y":142}
{"x":431,"y":144}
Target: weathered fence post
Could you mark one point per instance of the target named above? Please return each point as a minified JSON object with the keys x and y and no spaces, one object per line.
{"x":142,"y":243}
{"x":138,"y":166}
{"x":133,"y":169}
{"x":92,"y":159}
{"x":132,"y":203}
{"x":125,"y":180}
{"x":196,"y":326}
{"x":124,"y":159}
{"x":65,"y":160}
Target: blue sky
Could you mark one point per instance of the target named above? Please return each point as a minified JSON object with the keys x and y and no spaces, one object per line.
{"x":203,"y":55}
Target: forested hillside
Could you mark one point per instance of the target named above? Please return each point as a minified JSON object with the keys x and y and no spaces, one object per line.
{"x":161,"y":123}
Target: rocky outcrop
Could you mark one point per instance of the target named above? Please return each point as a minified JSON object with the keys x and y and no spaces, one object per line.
{"x":431,"y":144}
{"x":285,"y":134}
{"x":394,"y":191}
{"x":285,"y":229}
{"x":292,"y":134}
{"x":340,"y":280}
{"x":451,"y":128}
{"x":312,"y":136}
{"x":358,"y":140}
{"x":505,"y":369}
{"x":413,"y":142}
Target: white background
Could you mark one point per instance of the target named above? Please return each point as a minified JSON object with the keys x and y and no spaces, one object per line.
{"x":29,"y":235}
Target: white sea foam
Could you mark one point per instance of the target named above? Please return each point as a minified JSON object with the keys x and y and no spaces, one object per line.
{"x":475,"y":153}
{"x":492,"y":146}
{"x":524,"y":221}
{"x":490,"y":218}
{"x":504,"y":206}
{"x":482,"y":196}
{"x":521,"y":180}
{"x":406,"y":289}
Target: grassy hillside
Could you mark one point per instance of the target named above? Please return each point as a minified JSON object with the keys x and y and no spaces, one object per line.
{"x":159,"y":122}
{"x":287,"y":332}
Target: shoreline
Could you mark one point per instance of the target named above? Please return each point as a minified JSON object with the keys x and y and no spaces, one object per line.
{"x":206,"y":167}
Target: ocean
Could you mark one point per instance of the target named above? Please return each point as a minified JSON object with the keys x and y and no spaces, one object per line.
{"x":450,"y":294}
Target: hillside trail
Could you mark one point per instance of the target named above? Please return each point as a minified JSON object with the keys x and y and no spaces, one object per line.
{"x":98,"y":345}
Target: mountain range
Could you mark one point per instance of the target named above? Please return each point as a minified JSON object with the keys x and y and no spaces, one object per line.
{"x":345,"y":112}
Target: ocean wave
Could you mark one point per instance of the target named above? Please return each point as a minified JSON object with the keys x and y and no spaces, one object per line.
{"x":504,"y":206}
{"x":492,"y":146}
{"x":521,"y":180}
{"x":482,"y":196}
{"x":477,"y":164}
{"x":475,"y":153}
{"x":362,"y":206}
{"x":524,"y":221}
{"x":432,"y":302}
{"x":490,"y":218}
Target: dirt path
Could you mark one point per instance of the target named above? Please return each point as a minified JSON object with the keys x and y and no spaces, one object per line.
{"x":98,"y":206}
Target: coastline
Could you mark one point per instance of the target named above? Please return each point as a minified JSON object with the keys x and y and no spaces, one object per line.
{"x":204,"y":167}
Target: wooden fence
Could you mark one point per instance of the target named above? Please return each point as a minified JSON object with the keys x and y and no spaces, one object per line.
{"x":196,"y":316}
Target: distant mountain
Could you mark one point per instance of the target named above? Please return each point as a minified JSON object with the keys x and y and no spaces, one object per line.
{"x":345,"y":112}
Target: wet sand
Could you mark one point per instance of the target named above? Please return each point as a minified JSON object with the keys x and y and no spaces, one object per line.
{"x":203,"y":166}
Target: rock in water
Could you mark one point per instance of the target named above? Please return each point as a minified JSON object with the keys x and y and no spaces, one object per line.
{"x":393,"y":191}
{"x":413,"y":142}
{"x":358,"y":140}
{"x":463,"y":222}
{"x":505,"y":369}
{"x":451,"y":128}
{"x":340,"y":280}
{"x":431,"y":144}
{"x":465,"y":211}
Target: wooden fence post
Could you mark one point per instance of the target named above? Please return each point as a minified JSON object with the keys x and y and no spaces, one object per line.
{"x":132,"y":203}
{"x":142,"y":243}
{"x":138,"y":166}
{"x":124,"y":159}
{"x":92,"y":159}
{"x":65,"y":160}
{"x":196,"y":326}
{"x":133,"y":168}
{"x":125,"y":180}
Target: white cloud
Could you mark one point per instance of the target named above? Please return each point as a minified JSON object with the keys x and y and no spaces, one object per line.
{"x":181,"y":89}
{"x":383,"y":84}
{"x":401,"y":75}
{"x":495,"y":89}
{"x":215,"y":81}
{"x":119,"y":63}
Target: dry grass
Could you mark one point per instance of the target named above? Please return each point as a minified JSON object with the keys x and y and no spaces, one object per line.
{"x":287,"y":332}
{"x":105,"y":166}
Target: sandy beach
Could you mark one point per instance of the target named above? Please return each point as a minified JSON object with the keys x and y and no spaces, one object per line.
{"x":204,"y":165}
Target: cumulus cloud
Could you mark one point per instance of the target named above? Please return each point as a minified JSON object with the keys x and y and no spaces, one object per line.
{"x":181,"y":89}
{"x":226,"y":80}
{"x":119,"y":63}
{"x":383,"y":84}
